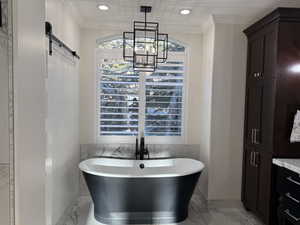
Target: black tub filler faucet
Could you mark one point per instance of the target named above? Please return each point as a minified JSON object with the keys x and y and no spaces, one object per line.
{"x":141,"y":151}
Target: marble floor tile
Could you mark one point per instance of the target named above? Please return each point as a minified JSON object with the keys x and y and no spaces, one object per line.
{"x":198,"y":215}
{"x":4,"y":195}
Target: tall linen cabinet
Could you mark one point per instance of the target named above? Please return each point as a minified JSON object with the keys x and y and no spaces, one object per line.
{"x":272,"y":99}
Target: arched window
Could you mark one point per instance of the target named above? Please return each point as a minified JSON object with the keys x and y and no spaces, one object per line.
{"x":130,"y":103}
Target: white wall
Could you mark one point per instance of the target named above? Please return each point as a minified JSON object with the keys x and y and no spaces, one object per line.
{"x":226,"y":96}
{"x":30,"y":105}
{"x":205,"y":95}
{"x":87,"y":82}
{"x":63,"y":114}
{"x":64,"y":22}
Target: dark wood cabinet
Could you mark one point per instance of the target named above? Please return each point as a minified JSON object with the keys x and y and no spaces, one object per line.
{"x":264,"y":184}
{"x":288,"y":187}
{"x":272,"y":99}
{"x":251,"y":172}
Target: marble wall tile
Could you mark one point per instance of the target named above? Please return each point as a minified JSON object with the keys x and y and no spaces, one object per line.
{"x":128,"y":151}
{"x":4,"y":194}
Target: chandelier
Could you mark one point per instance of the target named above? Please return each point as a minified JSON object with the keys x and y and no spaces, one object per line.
{"x":145,"y":47}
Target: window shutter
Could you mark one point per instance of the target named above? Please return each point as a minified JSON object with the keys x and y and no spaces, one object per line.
{"x":118,"y":100}
{"x":165,"y":98}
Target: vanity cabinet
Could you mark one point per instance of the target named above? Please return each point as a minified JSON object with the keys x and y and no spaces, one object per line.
{"x":272,"y":99}
{"x":288,"y":186}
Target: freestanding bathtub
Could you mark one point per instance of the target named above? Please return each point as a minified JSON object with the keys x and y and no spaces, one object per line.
{"x":141,"y":192}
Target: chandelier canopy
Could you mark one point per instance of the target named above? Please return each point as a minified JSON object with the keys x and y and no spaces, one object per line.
{"x":145,"y":47}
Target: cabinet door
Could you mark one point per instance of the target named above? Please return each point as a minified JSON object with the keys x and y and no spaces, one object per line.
{"x":250,"y":179}
{"x":264,"y":136}
{"x":270,"y":54}
{"x":264,"y":163}
{"x":255,"y":59}
{"x":254,"y":91}
{"x":254,"y":104}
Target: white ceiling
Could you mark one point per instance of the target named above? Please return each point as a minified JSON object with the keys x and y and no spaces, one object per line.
{"x":166,"y":12}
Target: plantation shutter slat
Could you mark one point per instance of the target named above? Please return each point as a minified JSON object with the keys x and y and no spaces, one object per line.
{"x":165,"y":99}
{"x":118,"y":97}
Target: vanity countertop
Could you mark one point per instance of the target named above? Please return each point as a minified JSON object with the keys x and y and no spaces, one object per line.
{"x":290,"y":164}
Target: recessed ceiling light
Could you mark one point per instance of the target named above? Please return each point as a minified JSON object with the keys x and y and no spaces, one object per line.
{"x":103,"y":7}
{"x":185,"y":11}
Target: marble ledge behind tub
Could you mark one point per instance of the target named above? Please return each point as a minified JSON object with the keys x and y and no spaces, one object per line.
{"x":128,"y":151}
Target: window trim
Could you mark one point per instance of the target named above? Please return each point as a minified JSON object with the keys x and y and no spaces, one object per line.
{"x":149,"y":139}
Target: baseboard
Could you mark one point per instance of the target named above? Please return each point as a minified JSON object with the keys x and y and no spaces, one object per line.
{"x":224,"y":204}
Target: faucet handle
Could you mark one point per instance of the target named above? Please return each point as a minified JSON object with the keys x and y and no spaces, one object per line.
{"x":147,"y":152}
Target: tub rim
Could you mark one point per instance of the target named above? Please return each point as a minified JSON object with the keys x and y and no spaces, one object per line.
{"x":193,"y":166}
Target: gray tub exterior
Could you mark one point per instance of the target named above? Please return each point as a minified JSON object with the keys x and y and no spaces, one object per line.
{"x":129,"y":200}
{"x":141,"y":191}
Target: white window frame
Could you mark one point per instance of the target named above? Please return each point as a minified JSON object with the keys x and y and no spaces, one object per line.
{"x":103,"y":139}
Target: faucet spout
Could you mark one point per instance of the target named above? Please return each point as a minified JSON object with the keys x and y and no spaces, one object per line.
{"x":141,"y":151}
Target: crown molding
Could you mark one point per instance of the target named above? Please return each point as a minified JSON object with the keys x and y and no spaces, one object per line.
{"x":231,"y":19}
{"x":164,"y":28}
{"x":77,"y":16}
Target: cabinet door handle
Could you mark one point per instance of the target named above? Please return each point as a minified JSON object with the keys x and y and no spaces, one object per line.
{"x":287,"y":211}
{"x":288,"y":195}
{"x":252,"y":136}
{"x":253,"y":159}
{"x":256,"y":131}
{"x":293,"y":181}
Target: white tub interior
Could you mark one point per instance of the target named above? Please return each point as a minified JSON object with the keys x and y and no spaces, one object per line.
{"x":132,"y":168}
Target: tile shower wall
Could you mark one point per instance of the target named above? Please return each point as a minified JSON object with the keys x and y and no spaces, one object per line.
{"x":6,"y":118}
{"x":128,"y":151}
